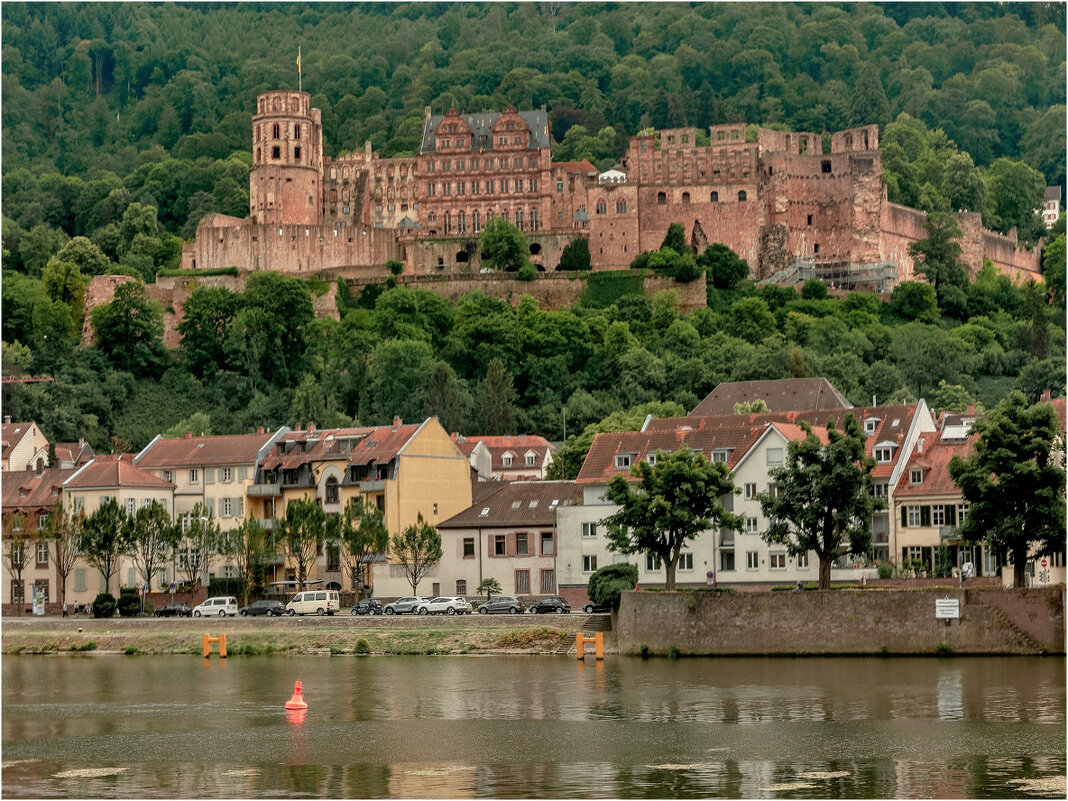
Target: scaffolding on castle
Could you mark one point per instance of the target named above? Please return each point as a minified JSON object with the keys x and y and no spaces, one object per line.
{"x":878,"y":277}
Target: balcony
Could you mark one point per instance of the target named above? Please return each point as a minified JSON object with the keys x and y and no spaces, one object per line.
{"x":378,"y":485}
{"x":946,"y":533}
{"x":726,"y":538}
{"x":264,"y":490}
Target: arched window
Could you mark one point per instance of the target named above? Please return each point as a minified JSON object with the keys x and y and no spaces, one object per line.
{"x":476,"y":222}
{"x":332,"y":495}
{"x":601,"y":207}
{"x":715,"y":197}
{"x":448,"y":222}
{"x":276,"y":130}
{"x":661,"y":198}
{"x":533,"y":219}
{"x":741,"y":196}
{"x":685,"y":197}
{"x":460,"y":222}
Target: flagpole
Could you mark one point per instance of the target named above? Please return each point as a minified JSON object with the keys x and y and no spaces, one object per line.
{"x":300,"y":77}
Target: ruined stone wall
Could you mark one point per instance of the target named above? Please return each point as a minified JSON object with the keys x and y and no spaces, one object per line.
{"x":992,"y":621}
{"x":613,"y":226}
{"x":461,"y":255}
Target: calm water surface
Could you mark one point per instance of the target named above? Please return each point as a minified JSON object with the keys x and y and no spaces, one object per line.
{"x":518,"y":727}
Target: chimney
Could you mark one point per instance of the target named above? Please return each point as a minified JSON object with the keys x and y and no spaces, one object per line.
{"x":397,"y":423}
{"x":7,"y":420}
{"x":297,"y":427}
{"x":259,"y":430}
{"x":311,"y":426}
{"x":1046,"y":396}
{"x":919,"y":445}
{"x":970,"y":411}
{"x":188,"y":434}
{"x":81,"y":442}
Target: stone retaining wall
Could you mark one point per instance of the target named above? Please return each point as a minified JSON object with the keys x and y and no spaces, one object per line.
{"x":992,"y":621}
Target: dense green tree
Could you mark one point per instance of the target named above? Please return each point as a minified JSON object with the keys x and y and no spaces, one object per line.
{"x":151,"y":538}
{"x":912,"y":300}
{"x":129,"y":330}
{"x":576,"y":255}
{"x":1053,"y":268}
{"x":203,"y":328}
{"x":496,"y":400}
{"x":723,"y":266}
{"x":749,"y":319}
{"x":85,"y":255}
{"x":1014,"y":483}
{"x":870,"y":106}
{"x":103,"y":539}
{"x":503,"y":245}
{"x":417,"y":550}
{"x":824,"y":497}
{"x":1014,"y":191}
{"x":303,"y":531}
{"x":675,"y":239}
{"x":675,"y":500}
{"x":364,"y":537}
{"x":607,"y":584}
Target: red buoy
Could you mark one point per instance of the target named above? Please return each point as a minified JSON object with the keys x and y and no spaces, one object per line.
{"x":296,"y":701}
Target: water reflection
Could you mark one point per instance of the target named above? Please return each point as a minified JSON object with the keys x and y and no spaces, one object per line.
{"x":444,"y":727}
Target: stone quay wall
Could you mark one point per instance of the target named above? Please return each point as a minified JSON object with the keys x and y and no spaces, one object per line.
{"x":862,"y":622}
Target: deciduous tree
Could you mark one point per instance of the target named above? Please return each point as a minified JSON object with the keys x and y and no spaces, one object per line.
{"x":17,"y":543}
{"x":503,"y":245}
{"x":63,"y":531}
{"x":364,"y":537}
{"x":1014,"y":482}
{"x":104,"y":539}
{"x":674,"y":501}
{"x":151,"y":538}
{"x":823,"y":499}
{"x":303,"y":530}
{"x":417,"y":549}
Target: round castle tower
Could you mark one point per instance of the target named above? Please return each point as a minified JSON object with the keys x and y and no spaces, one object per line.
{"x":285,"y":185}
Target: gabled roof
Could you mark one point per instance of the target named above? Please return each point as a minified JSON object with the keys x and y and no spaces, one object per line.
{"x":581,"y":167}
{"x":25,"y":490}
{"x":518,"y":503}
{"x":932,"y":456}
{"x":12,"y":434}
{"x":499,"y":446}
{"x":481,"y":125}
{"x":76,"y":453}
{"x":781,"y":395}
{"x":197,"y":451}
{"x":114,"y":470}
{"x":369,"y":444}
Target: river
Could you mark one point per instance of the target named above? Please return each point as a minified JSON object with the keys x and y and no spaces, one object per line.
{"x":108,"y":726}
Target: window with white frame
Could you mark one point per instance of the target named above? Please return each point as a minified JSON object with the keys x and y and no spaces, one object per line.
{"x":777,"y":561}
{"x":879,"y":489}
{"x":226,"y":507}
{"x":752,"y":560}
{"x":915,"y":475}
{"x":720,"y":455}
{"x":651,"y":458}
{"x":750,"y":491}
{"x":461,"y":586}
{"x":589,"y":529}
{"x":42,"y":553}
{"x":914,"y":516}
{"x":686,"y":561}
{"x":42,"y":520}
{"x":168,"y":475}
{"x":506,"y":460}
{"x":624,"y":460}
{"x":226,"y":474}
{"x":884,"y":455}
{"x":870,"y":425}
{"x":532,"y":460}
{"x":652,"y":562}
{"x":131,"y":506}
{"x":589,"y":563}
{"x":774,"y":456}
{"x":938,"y":515}
{"x":194,"y":476}
{"x":752,"y":525}
{"x":962,"y":513}
{"x":773,"y":490}
{"x":802,"y":561}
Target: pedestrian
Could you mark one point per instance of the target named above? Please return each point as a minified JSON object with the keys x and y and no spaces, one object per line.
{"x":65,"y":609}
{"x":799,"y":587}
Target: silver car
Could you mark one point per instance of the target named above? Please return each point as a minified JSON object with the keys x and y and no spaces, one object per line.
{"x":445,"y":605}
{"x":404,"y":606}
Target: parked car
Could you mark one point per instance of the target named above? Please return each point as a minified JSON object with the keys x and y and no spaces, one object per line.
{"x":406,"y":605}
{"x":315,"y":602}
{"x":368,"y":606}
{"x":268,"y":608}
{"x":445,"y":605}
{"x":591,"y":607}
{"x":554,"y":603}
{"x":502,"y":604}
{"x":174,"y":609}
{"x":220,"y":606}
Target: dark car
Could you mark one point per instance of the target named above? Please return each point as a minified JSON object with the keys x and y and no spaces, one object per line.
{"x":554,"y":603}
{"x":591,"y":607}
{"x":268,"y":608}
{"x":368,"y":606}
{"x":174,"y":609}
{"x":502,"y":604}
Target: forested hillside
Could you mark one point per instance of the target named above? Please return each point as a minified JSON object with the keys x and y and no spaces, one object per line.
{"x":124,"y":123}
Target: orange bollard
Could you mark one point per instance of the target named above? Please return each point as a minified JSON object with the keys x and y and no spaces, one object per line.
{"x":296,"y":701}
{"x":581,"y":641}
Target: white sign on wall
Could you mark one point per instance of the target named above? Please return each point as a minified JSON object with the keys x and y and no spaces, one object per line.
{"x":946,"y":608}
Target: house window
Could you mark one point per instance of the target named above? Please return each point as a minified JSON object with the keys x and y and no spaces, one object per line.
{"x":623,"y":460}
{"x":752,"y":560}
{"x":879,"y":490}
{"x":589,"y":563}
{"x":869,"y":426}
{"x":42,"y":521}
{"x":720,"y":455}
{"x":79,"y":579}
{"x":915,"y":476}
{"x":652,"y":563}
{"x":686,"y":561}
{"x":938,"y":515}
{"x":752,"y":525}
{"x":226,"y":507}
{"x":499,"y":544}
{"x":546,"y":543}
{"x":506,"y":460}
{"x":726,"y":560}
{"x":42,"y":553}
{"x":884,"y":455}
{"x":333,"y":494}
{"x":802,"y":561}
{"x":962,"y":513}
{"x":774,"y":455}
{"x":651,"y":458}
{"x":589,"y":529}
{"x":226,"y":474}
{"x":521,"y":544}
{"x":168,"y":475}
{"x":548,"y":581}
{"x":777,"y":561}
{"x":914,"y":516}
{"x":531,"y":460}
{"x":461,"y":586}
{"x":333,"y":557}
{"x":131,"y":507}
{"x":469,"y":547}
{"x":194,"y":477}
{"x":750,"y":491}
{"x":522,"y":581}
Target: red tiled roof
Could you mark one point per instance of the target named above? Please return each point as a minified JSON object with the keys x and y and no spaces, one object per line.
{"x":583,"y":166}
{"x":73,"y":451}
{"x":382,"y":444}
{"x":197,"y":451}
{"x":933,"y":458}
{"x":784,"y":394}
{"x":26,"y":489}
{"x":523,"y":503}
{"x":114,"y":471}
{"x":498,"y":446}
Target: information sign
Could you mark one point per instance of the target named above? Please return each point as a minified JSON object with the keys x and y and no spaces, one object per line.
{"x":946,"y":608}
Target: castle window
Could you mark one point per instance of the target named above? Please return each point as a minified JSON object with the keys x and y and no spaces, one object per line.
{"x":559,"y":186}
{"x":448,"y":223}
{"x":296,"y":153}
{"x":276,"y":152}
{"x":519,"y":219}
{"x":601,"y":207}
{"x":685,"y":197}
{"x":460,"y":226}
{"x":533,"y":219}
{"x":715,"y":197}
{"x":661,"y":198}
{"x":810,"y":219}
{"x":276,"y":131}
{"x":816,"y":248}
{"x":296,"y":131}
{"x":621,"y":207}
{"x":741,"y":196}
{"x":825,"y":167}
{"x":476,"y":222}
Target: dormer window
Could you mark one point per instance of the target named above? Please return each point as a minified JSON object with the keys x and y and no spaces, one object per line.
{"x":506,"y":460}
{"x":532,"y":460}
{"x":884,"y":454}
{"x":915,"y":476}
{"x":651,"y":458}
{"x":721,"y":455}
{"x":624,"y":460}
{"x":870,"y":425}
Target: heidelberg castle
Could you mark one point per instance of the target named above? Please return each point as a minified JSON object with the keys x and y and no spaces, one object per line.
{"x":782,"y":203}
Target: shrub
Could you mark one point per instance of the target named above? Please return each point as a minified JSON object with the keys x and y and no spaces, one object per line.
{"x":395,"y":267}
{"x":886,"y":570}
{"x":130,"y":650}
{"x":129,"y":604}
{"x":643,"y":651}
{"x":85,"y":646}
{"x":576,"y":255}
{"x":673,"y":652}
{"x":104,"y":605}
{"x":362,"y":647}
{"x":606,"y":584}
{"x":528,"y":272}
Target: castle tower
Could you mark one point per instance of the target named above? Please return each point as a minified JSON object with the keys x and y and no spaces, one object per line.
{"x":285,"y":184}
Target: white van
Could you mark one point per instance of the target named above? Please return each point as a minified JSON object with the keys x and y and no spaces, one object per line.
{"x":220,"y":606}
{"x":314,"y":602}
